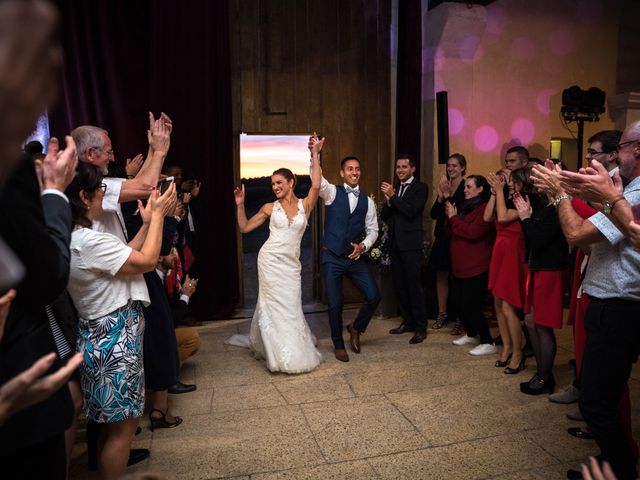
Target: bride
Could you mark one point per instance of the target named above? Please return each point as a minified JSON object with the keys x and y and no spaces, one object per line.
{"x":279,"y":332}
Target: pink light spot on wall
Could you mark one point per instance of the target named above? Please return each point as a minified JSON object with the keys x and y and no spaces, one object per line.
{"x":523,"y":48}
{"x":561,"y":42}
{"x":523,"y":130}
{"x":468,"y":47}
{"x":543,"y":100}
{"x":485,"y":138}
{"x":439,"y":59}
{"x":456,"y":121}
{"x":496,"y":19}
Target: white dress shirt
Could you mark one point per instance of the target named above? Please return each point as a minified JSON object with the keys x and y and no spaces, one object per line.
{"x":328,"y":194}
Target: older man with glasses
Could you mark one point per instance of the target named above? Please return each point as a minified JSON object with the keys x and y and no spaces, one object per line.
{"x":611,"y":281}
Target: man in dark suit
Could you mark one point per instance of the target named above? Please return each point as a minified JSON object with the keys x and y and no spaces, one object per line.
{"x":403,"y":214}
{"x":38,"y":229}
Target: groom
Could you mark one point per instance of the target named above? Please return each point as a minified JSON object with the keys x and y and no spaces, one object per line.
{"x":350,"y":229}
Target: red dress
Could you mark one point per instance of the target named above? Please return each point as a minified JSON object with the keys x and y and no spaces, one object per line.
{"x":508,"y":270}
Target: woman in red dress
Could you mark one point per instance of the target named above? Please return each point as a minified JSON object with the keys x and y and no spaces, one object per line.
{"x":507,"y":272}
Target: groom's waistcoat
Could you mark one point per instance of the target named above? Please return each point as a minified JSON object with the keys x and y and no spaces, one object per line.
{"x":342,"y":227}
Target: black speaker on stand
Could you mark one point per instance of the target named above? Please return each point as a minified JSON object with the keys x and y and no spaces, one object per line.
{"x":442,"y":120}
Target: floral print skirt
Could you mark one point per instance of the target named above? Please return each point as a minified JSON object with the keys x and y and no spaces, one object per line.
{"x":112,"y":373}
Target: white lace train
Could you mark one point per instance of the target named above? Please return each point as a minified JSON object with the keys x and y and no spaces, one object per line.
{"x":279,"y":332}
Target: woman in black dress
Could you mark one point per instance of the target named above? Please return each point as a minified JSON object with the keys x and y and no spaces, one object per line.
{"x":450,"y":189}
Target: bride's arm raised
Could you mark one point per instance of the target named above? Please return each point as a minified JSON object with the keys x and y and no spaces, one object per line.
{"x":315,"y":146}
{"x":254,"y":222}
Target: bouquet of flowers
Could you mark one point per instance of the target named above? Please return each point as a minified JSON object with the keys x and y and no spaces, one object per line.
{"x":379,"y":253}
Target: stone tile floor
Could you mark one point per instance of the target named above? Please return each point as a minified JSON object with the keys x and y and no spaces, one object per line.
{"x":396,"y":411}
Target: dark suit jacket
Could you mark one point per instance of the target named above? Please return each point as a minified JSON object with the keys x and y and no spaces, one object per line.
{"x":43,"y":248}
{"x":403,"y":215}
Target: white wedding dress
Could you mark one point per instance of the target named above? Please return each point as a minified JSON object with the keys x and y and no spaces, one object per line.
{"x":279,"y":332}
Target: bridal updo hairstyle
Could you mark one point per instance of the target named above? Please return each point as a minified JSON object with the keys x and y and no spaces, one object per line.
{"x":287,"y":174}
{"x":88,"y":178}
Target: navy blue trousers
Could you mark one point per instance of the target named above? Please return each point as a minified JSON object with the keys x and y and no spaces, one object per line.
{"x":335,"y":268}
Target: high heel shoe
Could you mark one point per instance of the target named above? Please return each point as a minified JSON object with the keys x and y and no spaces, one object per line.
{"x":538,"y":386}
{"x":501,"y":364}
{"x":518,"y":369}
{"x":162,"y":422}
{"x":440,"y":322}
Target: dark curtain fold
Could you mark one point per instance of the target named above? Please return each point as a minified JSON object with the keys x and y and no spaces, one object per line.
{"x":123,"y":59}
{"x":409,"y":83}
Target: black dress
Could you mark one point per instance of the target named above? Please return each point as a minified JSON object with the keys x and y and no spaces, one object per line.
{"x":440,"y":258}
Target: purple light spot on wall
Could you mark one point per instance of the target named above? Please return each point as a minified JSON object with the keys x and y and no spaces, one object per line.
{"x":456,"y":121}
{"x":468,"y":47}
{"x":523,"y":130}
{"x":561,"y":42}
{"x":496,"y":19}
{"x":523,"y":48}
{"x":543,"y":100}
{"x":485,"y":138}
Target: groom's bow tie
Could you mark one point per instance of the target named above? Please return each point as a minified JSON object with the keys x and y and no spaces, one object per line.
{"x":355,"y":191}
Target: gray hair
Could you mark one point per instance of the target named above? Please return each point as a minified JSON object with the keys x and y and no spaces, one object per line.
{"x":86,"y":137}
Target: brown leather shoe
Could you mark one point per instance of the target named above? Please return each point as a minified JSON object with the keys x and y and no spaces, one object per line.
{"x":354,"y":339}
{"x":403,"y":328}
{"x":418,"y":337}
{"x":341,"y":354}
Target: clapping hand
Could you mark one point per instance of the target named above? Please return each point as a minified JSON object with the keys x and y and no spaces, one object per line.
{"x":496,"y":182}
{"x":547,"y":178}
{"x":523,"y":206}
{"x":387,"y":190}
{"x":133,"y":165}
{"x":238,"y":194}
{"x":59,"y":166}
{"x":592,"y":183}
{"x":450,"y":209}
{"x":159,"y":133}
{"x":444,"y":187}
{"x":31,"y":387}
{"x":189,"y":286}
{"x":595,"y":472}
{"x":5,"y":304}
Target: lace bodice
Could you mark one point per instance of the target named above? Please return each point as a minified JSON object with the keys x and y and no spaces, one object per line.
{"x":285,"y":233}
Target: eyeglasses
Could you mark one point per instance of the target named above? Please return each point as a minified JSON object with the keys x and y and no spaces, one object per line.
{"x":621,"y":145}
{"x":109,"y":152}
{"x":103,"y":187}
{"x":593,"y":153}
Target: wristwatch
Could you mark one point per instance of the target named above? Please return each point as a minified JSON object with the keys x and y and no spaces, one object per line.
{"x":559,"y":198}
{"x":607,"y":206}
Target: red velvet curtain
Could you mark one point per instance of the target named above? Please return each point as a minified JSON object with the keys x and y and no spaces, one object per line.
{"x":125,"y":58}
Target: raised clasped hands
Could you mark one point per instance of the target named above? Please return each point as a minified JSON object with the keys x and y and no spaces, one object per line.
{"x":593,"y":183}
{"x":315,"y":143}
{"x":523,"y":206}
{"x":238,"y":195}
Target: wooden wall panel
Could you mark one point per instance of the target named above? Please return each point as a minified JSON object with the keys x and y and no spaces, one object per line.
{"x":301,"y":65}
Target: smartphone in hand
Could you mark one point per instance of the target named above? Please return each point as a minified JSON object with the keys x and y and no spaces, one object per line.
{"x":163,"y":185}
